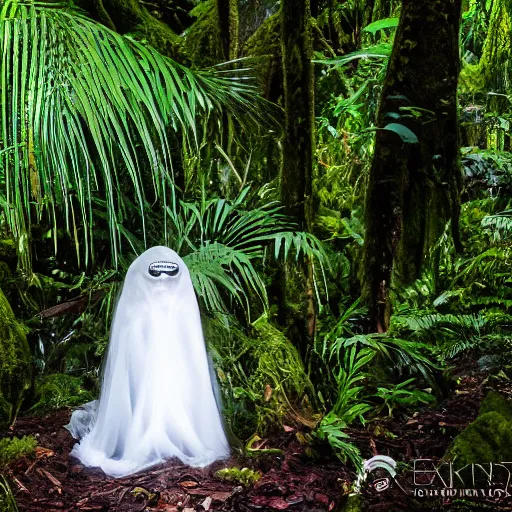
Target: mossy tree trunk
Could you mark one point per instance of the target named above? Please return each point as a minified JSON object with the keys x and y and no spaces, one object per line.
{"x":15,"y":363}
{"x":413,"y":188}
{"x":228,"y":25}
{"x":229,"y":35}
{"x":299,"y":132}
{"x":383,"y":9}
{"x":495,"y":65}
{"x":297,"y":167}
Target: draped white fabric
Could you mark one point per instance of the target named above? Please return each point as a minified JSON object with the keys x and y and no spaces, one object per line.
{"x":157,"y":399}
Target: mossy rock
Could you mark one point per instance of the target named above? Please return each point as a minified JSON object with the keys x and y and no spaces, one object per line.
{"x":496,"y":402}
{"x":488,"y":438}
{"x":15,"y":363}
{"x":59,"y":390}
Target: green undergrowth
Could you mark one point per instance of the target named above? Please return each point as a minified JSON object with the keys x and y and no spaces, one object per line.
{"x":12,"y":449}
{"x":15,"y":362}
{"x":59,"y":390}
{"x":261,"y":374}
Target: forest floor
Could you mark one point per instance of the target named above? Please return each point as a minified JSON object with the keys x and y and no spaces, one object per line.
{"x":292,"y":481}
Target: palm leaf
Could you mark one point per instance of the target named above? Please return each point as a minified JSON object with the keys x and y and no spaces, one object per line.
{"x":82,"y":108}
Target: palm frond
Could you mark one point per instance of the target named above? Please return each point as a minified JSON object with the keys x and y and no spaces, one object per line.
{"x":224,"y":240}
{"x":82,"y":107}
{"x":214,"y":267}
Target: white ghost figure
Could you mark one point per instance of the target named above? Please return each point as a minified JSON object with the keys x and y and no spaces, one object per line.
{"x":157,"y":399}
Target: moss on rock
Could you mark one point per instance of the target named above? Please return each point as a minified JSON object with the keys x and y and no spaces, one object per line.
{"x":496,"y":402}
{"x":15,"y":362}
{"x":488,"y":438}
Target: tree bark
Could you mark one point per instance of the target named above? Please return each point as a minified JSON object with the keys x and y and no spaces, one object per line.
{"x":298,"y":139}
{"x":298,"y":308}
{"x":228,"y":24}
{"x":414,"y":188}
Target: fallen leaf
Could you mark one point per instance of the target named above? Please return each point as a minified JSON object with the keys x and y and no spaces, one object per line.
{"x":188,"y":484}
{"x":207,"y":503}
{"x":268,"y":393}
{"x":220,"y":496}
{"x":43,"y":452}
{"x":322,"y":498}
{"x":277,"y":503}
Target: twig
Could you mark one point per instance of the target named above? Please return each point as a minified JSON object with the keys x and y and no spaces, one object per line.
{"x":20,"y":485}
{"x":50,"y":477}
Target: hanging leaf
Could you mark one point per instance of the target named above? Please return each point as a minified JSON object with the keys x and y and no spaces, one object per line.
{"x":403,"y":132}
{"x":378,"y":51}
{"x":374,"y":27}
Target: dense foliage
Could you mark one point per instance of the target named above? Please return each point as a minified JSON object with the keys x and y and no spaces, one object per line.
{"x":329,"y":121}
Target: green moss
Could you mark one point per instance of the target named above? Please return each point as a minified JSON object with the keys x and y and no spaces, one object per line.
{"x":493,"y":69}
{"x":244,"y":476}
{"x":496,"y":402}
{"x":60,"y":390}
{"x":262,"y":375}
{"x":278,"y":362}
{"x":15,"y":448}
{"x":131,"y":18}
{"x":354,"y":503}
{"x":265,"y":46}
{"x":202,"y":43}
{"x":15,"y":367}
{"x":487,"y":439}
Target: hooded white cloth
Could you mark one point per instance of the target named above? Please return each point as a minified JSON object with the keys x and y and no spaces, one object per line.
{"x":157,"y":399}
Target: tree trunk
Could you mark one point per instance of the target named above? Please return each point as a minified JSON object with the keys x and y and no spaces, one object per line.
{"x":298,"y":140}
{"x":382,"y":9}
{"x":297,"y":161}
{"x":228,"y":24}
{"x":414,"y":188}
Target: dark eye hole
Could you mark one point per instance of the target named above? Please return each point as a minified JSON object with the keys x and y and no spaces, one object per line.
{"x":163,"y":267}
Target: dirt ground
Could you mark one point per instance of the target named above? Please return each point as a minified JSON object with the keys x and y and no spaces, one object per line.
{"x":292,"y":481}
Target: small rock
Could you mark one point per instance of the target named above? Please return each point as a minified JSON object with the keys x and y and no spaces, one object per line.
{"x":207,"y":503}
